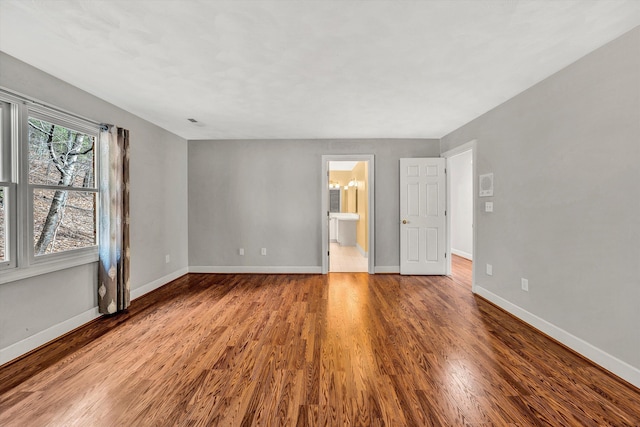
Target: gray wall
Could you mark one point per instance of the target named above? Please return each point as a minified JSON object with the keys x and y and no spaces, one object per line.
{"x":255,"y":194}
{"x":566,"y":159}
{"x":158,"y":211}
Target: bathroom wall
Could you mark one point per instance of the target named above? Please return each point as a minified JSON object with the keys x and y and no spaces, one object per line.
{"x":360,"y":172}
{"x":342,"y":178}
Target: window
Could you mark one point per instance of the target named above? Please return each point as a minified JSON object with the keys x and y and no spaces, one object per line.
{"x":63,"y":193}
{"x":6,"y":188}
{"x":48,"y":191}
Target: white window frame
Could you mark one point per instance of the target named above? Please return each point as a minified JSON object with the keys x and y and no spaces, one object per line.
{"x":23,"y":263}
{"x":7,"y":147}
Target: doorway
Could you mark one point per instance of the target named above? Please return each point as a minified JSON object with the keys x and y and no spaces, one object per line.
{"x":461,"y":218}
{"x":347,"y":213}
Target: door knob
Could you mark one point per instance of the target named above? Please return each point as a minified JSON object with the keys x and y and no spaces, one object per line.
{"x":404,"y":221}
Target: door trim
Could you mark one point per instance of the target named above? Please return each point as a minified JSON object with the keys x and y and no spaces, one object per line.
{"x":326,"y":158}
{"x":471,"y":145}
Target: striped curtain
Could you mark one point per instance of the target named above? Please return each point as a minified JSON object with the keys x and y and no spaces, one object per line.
{"x":113,"y":238}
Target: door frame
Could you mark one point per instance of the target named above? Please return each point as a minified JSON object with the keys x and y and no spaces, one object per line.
{"x":469,"y":146}
{"x":324,"y":217}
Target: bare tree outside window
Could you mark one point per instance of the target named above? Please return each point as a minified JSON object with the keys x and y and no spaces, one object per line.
{"x":61,"y":164}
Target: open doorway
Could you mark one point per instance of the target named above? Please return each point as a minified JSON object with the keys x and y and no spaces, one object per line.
{"x":460,"y":201}
{"x":347,"y":208}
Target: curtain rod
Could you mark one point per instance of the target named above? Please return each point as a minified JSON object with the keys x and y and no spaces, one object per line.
{"x":27,"y":99}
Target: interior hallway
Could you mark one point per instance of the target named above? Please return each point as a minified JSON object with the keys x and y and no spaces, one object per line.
{"x":461,"y":271}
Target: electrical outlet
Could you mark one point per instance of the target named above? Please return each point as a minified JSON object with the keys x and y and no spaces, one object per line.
{"x":525,"y":284}
{"x":489,"y":270}
{"x":263,"y":251}
{"x":167,"y":259}
{"x":241,"y":251}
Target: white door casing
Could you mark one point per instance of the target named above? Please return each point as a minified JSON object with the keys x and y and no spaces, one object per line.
{"x":371,"y":211}
{"x":423,"y":244}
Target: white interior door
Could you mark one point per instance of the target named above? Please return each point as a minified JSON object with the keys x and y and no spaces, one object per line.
{"x":423,"y":201}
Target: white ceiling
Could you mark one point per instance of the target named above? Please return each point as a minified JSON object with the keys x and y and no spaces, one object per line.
{"x":308,"y":69}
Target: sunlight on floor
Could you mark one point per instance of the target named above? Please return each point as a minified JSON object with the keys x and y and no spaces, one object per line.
{"x":346,"y":259}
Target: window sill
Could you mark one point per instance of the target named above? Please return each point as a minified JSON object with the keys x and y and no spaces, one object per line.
{"x":37,"y":269}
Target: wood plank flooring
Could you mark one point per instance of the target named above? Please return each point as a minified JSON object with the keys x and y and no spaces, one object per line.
{"x":296,"y":350}
{"x":461,"y":271}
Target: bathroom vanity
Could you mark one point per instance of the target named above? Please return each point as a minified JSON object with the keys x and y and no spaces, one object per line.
{"x":342,"y":228}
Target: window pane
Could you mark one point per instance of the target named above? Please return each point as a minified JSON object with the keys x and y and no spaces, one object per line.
{"x":63,"y":220}
{"x":3,"y":224}
{"x":60,"y":156}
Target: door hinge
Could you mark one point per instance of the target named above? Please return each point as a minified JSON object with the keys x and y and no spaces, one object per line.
{"x":328,"y":253}
{"x":445,"y":254}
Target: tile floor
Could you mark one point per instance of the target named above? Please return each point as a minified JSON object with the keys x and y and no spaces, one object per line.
{"x":346,"y":259}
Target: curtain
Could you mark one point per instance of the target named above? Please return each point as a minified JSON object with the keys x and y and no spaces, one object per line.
{"x":113,"y":236}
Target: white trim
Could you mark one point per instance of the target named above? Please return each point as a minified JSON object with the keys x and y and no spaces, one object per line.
{"x":594,"y":354}
{"x":460,"y":149}
{"x":49,"y":266}
{"x":362,"y":251}
{"x":27,"y":190}
{"x":326,"y":158}
{"x":257,"y":269}
{"x":145,"y":289}
{"x":23,"y":262}
{"x":34,"y":341}
{"x":20,"y":97}
{"x":463,"y":254}
{"x":24,"y":346}
{"x":395,"y":269}
{"x":473,"y":146}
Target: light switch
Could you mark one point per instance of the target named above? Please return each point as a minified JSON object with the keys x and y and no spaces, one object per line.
{"x":488,"y":206}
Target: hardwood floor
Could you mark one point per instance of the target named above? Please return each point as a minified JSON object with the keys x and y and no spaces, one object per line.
{"x":461,"y":271}
{"x":340,"y":349}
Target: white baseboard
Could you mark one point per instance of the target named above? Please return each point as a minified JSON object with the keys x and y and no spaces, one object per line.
{"x":145,"y":289}
{"x":463,"y":254}
{"x":34,"y":341}
{"x":362,"y":251}
{"x":259,"y":269}
{"x":596,"y":355}
{"x":387,"y":269}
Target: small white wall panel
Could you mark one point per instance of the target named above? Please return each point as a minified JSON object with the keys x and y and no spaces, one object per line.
{"x":413,"y":244}
{"x":413,"y":199}
{"x":432,"y":199}
{"x":431,"y":171}
{"x":432,"y":245}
